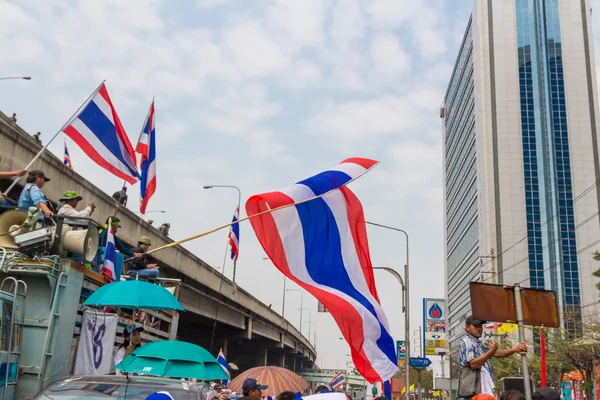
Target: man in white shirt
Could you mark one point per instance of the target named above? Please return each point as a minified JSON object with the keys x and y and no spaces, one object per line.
{"x":69,"y":202}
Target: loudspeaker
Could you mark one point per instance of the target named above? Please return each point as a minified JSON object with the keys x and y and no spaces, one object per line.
{"x":10,"y":221}
{"x":514,"y":383}
{"x":83,"y":242}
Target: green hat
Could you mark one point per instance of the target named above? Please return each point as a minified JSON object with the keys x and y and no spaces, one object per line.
{"x":145,"y":240}
{"x":70,"y":195}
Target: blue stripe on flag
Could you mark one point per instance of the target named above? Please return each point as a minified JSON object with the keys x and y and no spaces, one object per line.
{"x":323,"y":257}
{"x":326,"y":181}
{"x":104,"y":130}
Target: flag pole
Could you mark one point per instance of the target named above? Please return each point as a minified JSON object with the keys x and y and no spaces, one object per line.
{"x":39,"y":154}
{"x":199,"y":235}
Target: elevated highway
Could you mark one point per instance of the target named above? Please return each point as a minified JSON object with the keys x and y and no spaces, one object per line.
{"x":250,"y":333}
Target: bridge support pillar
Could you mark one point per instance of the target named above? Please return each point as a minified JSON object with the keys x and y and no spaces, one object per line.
{"x":282,"y":359}
{"x":261,"y":357}
{"x":225,"y":342}
{"x":294,"y":363}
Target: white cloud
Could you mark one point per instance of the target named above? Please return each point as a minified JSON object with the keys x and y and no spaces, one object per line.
{"x":301,"y":74}
{"x":359,"y":120}
{"x":347,"y":21}
{"x":388,"y":56}
{"x":298,"y":23}
{"x":253,"y":51}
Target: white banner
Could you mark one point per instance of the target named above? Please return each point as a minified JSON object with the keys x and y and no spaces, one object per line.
{"x":96,"y":341}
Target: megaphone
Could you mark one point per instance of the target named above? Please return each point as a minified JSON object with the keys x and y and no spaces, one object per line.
{"x":10,"y":225}
{"x":83,"y":242}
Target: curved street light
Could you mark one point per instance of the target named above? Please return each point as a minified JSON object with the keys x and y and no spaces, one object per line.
{"x":405,"y":284}
{"x":27,"y":78}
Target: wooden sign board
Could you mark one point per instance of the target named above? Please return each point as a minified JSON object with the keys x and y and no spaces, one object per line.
{"x":497,"y":303}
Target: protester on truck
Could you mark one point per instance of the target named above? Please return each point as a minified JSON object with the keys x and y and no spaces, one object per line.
{"x":131,"y":341}
{"x":69,"y":202}
{"x":6,"y":175}
{"x":32,"y":196}
{"x":140,"y":266}
{"x":115,"y":224}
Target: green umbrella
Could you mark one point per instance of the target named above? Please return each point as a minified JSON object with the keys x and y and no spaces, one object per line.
{"x":134,"y":294}
{"x":173,"y":359}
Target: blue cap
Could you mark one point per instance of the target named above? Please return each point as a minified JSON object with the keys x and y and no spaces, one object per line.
{"x":130,"y":328}
{"x":160,"y":396}
{"x":252,"y":383}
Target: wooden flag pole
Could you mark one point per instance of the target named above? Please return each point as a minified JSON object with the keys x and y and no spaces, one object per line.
{"x":199,"y":235}
{"x":39,"y":154}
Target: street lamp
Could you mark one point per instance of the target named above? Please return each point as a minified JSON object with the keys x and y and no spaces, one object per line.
{"x":301,"y":300}
{"x":27,"y":78}
{"x":238,"y":207}
{"x":309,"y":320}
{"x":406,"y":306}
{"x":283,"y":301}
{"x":310,"y":323}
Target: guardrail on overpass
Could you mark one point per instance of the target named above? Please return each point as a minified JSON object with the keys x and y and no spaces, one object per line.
{"x":241,"y":313}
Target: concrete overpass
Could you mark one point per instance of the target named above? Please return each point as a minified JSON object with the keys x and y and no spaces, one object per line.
{"x":249,"y":332}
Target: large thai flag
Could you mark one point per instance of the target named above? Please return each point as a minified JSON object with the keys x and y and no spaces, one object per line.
{"x":337,"y":381}
{"x":322,"y":245}
{"x":67,"y":159}
{"x":388,"y":389}
{"x":223,"y":362}
{"x":98,"y":131}
{"x":108,"y":267}
{"x":147,"y":148}
{"x":234,"y":236}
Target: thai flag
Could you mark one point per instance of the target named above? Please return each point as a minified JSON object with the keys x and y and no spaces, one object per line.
{"x":337,"y":381}
{"x":322,"y":245}
{"x":109,"y":255}
{"x":67,"y":160}
{"x":97,"y":130}
{"x":234,"y":236}
{"x":387,"y":389}
{"x":223,"y":362}
{"x":147,"y":148}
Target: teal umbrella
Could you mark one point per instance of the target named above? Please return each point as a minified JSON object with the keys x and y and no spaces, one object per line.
{"x":134,"y":294}
{"x":173,"y":359}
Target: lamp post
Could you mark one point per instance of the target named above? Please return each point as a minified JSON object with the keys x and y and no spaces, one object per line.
{"x":301,"y":300}
{"x":406,"y":305}
{"x":27,"y":78}
{"x":309,"y":321}
{"x":238,"y":207}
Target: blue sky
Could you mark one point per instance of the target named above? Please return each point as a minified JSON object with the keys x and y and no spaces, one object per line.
{"x":258,"y":94}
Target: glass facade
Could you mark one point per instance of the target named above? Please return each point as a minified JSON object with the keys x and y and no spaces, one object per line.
{"x":462,"y":227}
{"x":548,"y":187}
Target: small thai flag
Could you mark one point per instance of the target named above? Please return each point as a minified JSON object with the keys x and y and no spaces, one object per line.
{"x":108,"y":268}
{"x":234,"y":236}
{"x":223,"y":362}
{"x":147,"y":148}
{"x":337,"y":381}
{"x":67,"y":159}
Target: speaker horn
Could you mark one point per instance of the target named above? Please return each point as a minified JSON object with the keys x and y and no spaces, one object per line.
{"x":83,"y":242}
{"x":10,"y":223}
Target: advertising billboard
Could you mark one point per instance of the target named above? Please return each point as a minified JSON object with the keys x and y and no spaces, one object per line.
{"x":434,"y":326}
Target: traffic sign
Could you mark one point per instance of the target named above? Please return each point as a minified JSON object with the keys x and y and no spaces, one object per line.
{"x":419,"y":362}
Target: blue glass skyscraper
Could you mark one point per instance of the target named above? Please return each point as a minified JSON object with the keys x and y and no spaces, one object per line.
{"x":521,"y":153}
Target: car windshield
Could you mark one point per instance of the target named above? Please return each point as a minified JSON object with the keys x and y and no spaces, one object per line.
{"x":104,"y":391}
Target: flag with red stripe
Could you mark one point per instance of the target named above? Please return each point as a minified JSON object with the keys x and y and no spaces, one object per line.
{"x":67,"y":159}
{"x":97,"y":130}
{"x":147,"y":148}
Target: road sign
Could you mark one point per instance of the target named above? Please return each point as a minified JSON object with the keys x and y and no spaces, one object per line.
{"x":374,"y":391}
{"x":419,"y":362}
